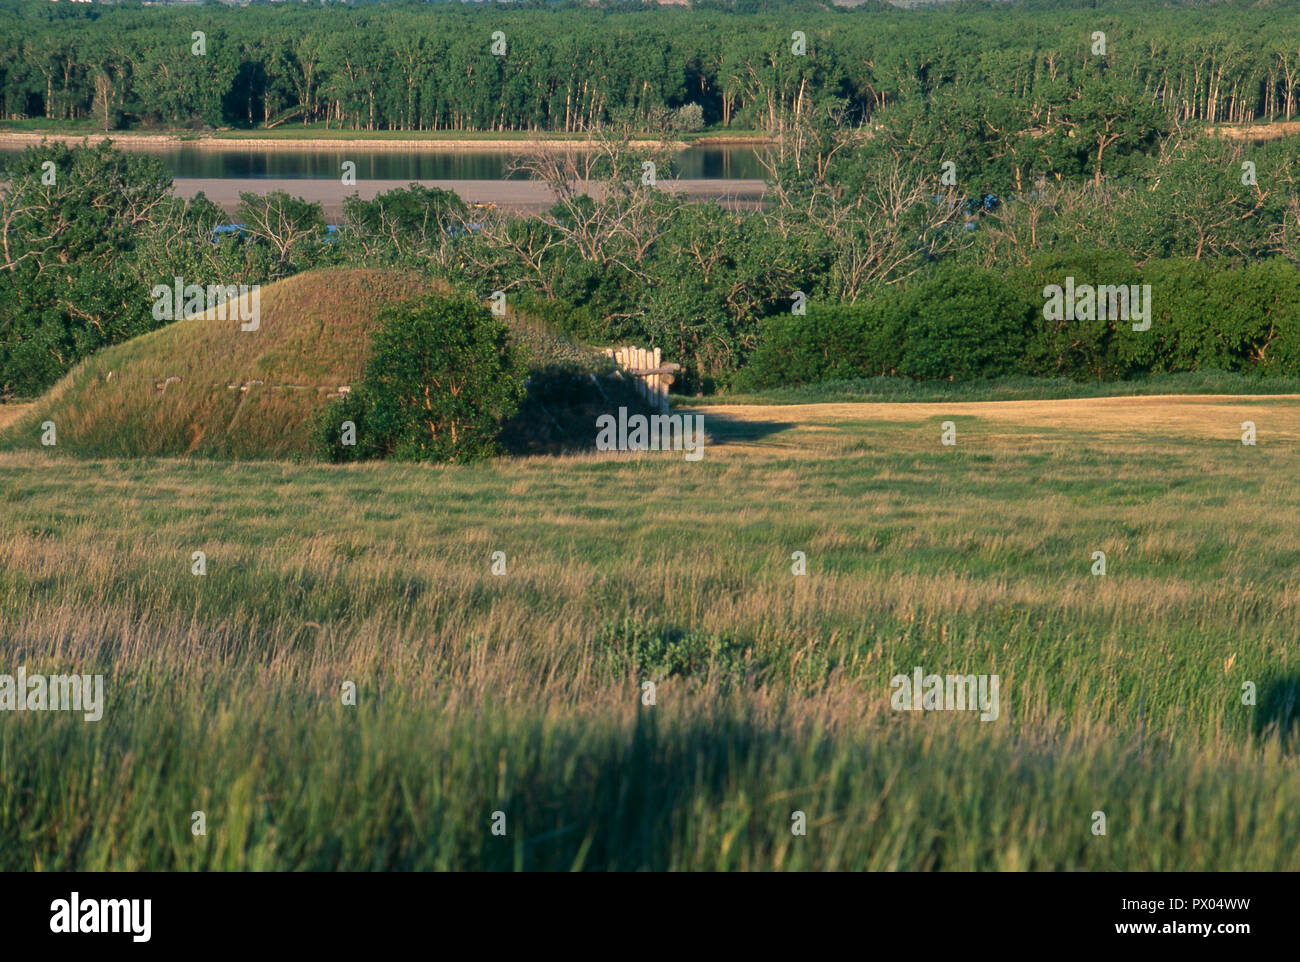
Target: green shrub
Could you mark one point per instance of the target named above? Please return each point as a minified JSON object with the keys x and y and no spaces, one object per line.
{"x":1207,"y":314}
{"x":330,"y":425}
{"x":956,"y":324}
{"x":827,"y":343}
{"x":962,"y":324}
{"x":1084,"y":350}
{"x":441,"y":379}
{"x":967,"y":325}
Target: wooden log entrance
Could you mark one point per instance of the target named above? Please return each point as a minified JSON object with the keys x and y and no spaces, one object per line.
{"x":649,"y":372}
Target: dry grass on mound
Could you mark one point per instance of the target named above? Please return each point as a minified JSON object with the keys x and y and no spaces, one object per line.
{"x":202,"y":386}
{"x":11,"y":413}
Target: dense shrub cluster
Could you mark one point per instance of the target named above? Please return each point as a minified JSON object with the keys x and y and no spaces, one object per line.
{"x":961,"y":324}
{"x":441,"y":380}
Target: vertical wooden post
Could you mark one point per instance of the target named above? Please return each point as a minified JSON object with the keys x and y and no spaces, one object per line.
{"x":643,"y":365}
{"x":660,"y":396}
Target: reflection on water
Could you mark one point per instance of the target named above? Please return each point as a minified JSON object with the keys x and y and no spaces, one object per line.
{"x":696,"y":163}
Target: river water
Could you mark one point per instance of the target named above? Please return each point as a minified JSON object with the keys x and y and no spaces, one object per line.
{"x":694,"y":163}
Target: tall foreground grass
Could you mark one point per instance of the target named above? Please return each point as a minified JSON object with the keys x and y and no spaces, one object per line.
{"x":521,"y":693}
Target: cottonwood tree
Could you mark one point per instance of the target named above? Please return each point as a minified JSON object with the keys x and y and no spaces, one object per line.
{"x":1106,"y":116}
{"x":714,"y":273}
{"x":1192,"y":202}
{"x":599,"y":231}
{"x":878,"y":211}
{"x":290,"y":225}
{"x":574,"y":68}
{"x":603,"y":206}
{"x":407,"y":223}
{"x":66,"y":287}
{"x":511,"y":252}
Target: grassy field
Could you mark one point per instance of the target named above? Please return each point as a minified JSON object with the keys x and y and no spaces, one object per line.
{"x":521,"y":692}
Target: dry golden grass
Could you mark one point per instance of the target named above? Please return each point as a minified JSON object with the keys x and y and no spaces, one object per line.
{"x":1206,"y":417}
{"x":11,"y":413}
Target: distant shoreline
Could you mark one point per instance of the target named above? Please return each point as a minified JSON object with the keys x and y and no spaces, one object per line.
{"x":379,"y":141}
{"x":164,"y":141}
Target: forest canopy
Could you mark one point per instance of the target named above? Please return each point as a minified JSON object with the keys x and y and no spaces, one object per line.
{"x":419,"y":66}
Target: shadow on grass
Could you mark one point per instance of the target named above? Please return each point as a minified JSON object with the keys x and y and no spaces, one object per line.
{"x":560,"y":412}
{"x":1278,"y":715}
{"x":724,"y":430}
{"x":624,"y":800}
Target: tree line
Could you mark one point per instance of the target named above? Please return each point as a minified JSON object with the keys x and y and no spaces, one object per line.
{"x":564,"y":67}
{"x":854,"y":228}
